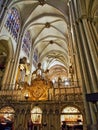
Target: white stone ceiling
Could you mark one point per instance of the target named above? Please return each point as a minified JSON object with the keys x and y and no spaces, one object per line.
{"x":47,"y":22}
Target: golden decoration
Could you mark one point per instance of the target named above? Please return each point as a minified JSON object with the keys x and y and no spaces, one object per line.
{"x":38,"y":90}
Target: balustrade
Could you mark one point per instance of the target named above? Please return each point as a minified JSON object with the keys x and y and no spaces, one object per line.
{"x":61,"y":93}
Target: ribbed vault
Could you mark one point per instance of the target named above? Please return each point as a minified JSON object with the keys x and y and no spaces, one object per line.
{"x":48,"y":21}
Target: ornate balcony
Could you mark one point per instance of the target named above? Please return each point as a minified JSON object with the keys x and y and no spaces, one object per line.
{"x":61,"y":93}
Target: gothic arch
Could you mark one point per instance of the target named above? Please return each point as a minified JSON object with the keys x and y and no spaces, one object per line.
{"x":6,"y":117}
{"x":72,"y":115}
{"x":36,"y":114}
{"x":6,"y":57}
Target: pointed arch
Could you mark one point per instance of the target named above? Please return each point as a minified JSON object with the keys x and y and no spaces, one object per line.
{"x":36,"y":115}
{"x":72,"y":116}
{"x":6,"y":56}
{"x":7,"y":114}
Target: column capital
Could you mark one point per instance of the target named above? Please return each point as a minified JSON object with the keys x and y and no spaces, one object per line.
{"x":84,"y":17}
{"x":69,"y":27}
{"x":68,"y":1}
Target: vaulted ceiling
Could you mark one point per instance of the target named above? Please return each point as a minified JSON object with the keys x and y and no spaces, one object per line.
{"x":47,"y":21}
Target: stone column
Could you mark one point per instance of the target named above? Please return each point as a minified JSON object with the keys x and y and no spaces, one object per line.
{"x":57,"y":119}
{"x":18,"y":120}
{"x":26,"y":117}
{"x":87,"y":64}
{"x":93,"y":32}
{"x":92,"y":48}
{"x":95,"y":35}
{"x":16,"y":62}
{"x":7,"y":75}
{"x":72,"y":53}
{"x":3,"y":12}
{"x":23,"y":118}
{"x":81,"y":59}
{"x":45,"y":120}
{"x":92,"y":65}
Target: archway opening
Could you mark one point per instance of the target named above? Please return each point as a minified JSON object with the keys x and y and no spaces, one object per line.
{"x":72,"y":117}
{"x":36,"y":117}
{"x":4,"y":53}
{"x":6,"y":118}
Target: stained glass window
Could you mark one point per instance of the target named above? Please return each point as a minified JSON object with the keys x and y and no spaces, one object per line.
{"x":13,"y":22}
{"x":26,"y":46}
{"x":35,"y":57}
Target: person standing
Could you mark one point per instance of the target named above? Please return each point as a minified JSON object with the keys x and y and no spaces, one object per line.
{"x":30,"y":125}
{"x":64,"y":126}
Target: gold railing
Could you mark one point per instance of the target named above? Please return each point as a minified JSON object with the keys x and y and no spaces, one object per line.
{"x":60,"y":93}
